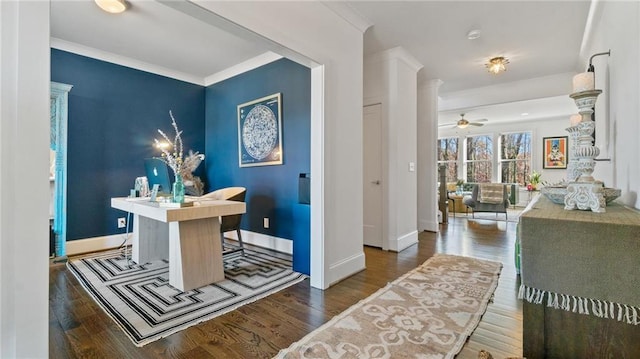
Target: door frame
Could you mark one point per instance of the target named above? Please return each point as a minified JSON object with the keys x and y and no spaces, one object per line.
{"x":59,"y":125}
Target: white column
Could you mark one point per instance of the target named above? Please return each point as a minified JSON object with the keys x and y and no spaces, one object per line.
{"x":24,"y":179}
{"x":427,"y":155}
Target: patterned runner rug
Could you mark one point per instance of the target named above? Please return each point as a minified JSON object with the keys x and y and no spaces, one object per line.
{"x":427,"y":313}
{"x":140,"y":299}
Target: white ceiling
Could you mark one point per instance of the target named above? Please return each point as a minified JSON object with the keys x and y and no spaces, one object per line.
{"x":154,"y":34}
{"x":535,"y":109}
{"x":540,"y":38}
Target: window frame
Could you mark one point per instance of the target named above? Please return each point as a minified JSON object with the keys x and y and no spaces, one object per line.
{"x":491,"y":161}
{"x":456,"y":162}
{"x":528,"y":162}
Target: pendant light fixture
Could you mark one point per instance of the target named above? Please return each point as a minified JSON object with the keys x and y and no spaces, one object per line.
{"x":496,"y":65}
{"x":112,"y":6}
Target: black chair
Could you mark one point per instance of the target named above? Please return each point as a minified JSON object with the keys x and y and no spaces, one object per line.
{"x":231,"y":222}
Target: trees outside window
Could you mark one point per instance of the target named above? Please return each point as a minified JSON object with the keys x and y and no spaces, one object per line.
{"x":514,"y":165}
{"x":448,"y":155}
{"x":479,"y":158}
{"x":515,"y":157}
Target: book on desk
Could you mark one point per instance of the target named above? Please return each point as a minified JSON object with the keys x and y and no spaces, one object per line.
{"x":174,"y":204}
{"x":189,"y":202}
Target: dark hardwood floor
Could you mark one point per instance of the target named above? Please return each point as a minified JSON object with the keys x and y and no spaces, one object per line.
{"x":78,"y":328}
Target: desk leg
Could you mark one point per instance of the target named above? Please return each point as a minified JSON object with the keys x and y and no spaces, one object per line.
{"x":195,"y":253}
{"x":150,"y":240}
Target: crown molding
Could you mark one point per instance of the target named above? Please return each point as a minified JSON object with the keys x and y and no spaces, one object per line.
{"x":242,"y":67}
{"x":349,"y":14}
{"x":123,"y":61}
{"x":235,"y":70}
{"x":395,"y":53}
{"x":430,"y":83}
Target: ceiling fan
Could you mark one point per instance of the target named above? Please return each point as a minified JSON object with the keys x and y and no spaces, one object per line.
{"x":464,"y":123}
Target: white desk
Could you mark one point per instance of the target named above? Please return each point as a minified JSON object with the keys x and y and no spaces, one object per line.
{"x":189,"y":237}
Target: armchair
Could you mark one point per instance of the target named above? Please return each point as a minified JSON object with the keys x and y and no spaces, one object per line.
{"x":488,"y":197}
{"x":232,"y":222}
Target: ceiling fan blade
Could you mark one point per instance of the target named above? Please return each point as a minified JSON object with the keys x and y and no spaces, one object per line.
{"x":447,"y":124}
{"x":476,"y":124}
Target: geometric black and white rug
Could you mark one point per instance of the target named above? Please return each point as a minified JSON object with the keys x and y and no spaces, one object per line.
{"x":141,"y":301}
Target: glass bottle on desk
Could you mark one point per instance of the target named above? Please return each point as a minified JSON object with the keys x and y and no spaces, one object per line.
{"x":178,"y":190}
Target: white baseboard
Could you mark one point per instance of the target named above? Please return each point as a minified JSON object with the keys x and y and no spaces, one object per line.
{"x":346,"y":268}
{"x":95,"y":244}
{"x":264,"y":240}
{"x":430,"y":226}
{"x":403,"y":242}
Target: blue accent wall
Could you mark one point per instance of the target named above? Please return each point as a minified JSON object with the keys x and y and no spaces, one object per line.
{"x":114,"y":114}
{"x":272,"y":191}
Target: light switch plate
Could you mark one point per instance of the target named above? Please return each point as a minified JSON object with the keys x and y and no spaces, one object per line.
{"x":412,"y":167}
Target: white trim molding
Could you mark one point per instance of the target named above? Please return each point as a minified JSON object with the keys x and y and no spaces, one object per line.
{"x":346,"y":267}
{"x":350,"y":15}
{"x":123,"y":61}
{"x":264,"y":240}
{"x":395,"y":53}
{"x":93,"y":53}
{"x":254,"y":63}
{"x":95,"y":244}
{"x":403,"y":242}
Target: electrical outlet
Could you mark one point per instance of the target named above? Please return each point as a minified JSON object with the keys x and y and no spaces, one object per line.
{"x":122,"y":222}
{"x":266,"y":222}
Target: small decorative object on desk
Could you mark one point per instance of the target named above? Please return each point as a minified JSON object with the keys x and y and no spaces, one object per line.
{"x":178,"y":189}
{"x":534,"y":180}
{"x":172,"y":155}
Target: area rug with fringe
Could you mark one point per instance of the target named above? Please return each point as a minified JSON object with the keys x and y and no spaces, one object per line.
{"x":141,"y":301}
{"x":427,"y":313}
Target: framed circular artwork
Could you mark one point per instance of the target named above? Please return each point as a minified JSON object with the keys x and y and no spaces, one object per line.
{"x":260,"y":132}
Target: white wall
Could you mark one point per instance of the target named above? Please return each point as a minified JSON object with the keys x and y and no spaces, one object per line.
{"x":391,"y":79}
{"x":24,"y":179}
{"x":617,"y":27}
{"x":403,"y":120}
{"x":314,"y":32}
{"x":540,"y":128}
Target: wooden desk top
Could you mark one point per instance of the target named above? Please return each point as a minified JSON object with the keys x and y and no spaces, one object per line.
{"x":200,"y":209}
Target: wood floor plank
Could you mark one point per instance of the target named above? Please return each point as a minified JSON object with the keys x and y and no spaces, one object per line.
{"x":79,"y":328}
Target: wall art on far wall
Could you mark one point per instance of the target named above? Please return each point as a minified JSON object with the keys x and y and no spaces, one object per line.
{"x":555,"y":152}
{"x":260,"y":132}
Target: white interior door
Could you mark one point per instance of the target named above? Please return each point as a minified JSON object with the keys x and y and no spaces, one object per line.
{"x":372,"y":175}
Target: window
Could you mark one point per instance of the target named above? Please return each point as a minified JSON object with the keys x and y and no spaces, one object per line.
{"x":448,"y":155}
{"x":515,"y":157}
{"x":479,"y":158}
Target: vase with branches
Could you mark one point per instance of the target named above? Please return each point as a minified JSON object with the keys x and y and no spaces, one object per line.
{"x":172,"y":154}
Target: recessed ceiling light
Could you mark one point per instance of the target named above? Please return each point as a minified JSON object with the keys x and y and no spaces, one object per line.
{"x":112,"y":6}
{"x":473,"y":34}
{"x":524,"y":114}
